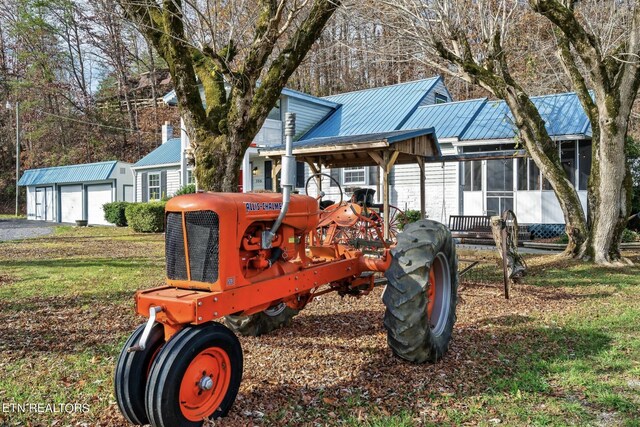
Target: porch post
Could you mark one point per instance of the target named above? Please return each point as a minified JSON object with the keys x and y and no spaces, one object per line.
{"x":247,"y":173}
{"x":422,"y":187}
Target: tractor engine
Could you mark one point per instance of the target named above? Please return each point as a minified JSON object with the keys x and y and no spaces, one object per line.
{"x":216,"y":241}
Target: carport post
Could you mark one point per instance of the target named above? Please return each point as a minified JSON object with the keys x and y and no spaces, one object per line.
{"x":316,"y":170}
{"x":422,"y":185}
{"x":388,"y":159}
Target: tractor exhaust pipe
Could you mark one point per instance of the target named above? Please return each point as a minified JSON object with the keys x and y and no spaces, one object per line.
{"x":287,"y":178}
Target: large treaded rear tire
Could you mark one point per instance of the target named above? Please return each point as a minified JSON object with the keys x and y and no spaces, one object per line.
{"x":260,"y":323}
{"x":423,"y":246}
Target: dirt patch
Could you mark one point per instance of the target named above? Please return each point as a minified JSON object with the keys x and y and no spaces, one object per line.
{"x":6,"y":279}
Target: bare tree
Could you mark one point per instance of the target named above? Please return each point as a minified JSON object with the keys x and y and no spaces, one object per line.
{"x":476,"y":41}
{"x":599,"y":44}
{"x":241,"y":54}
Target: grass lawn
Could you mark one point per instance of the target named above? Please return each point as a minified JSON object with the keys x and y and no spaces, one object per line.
{"x":565,"y":350}
{"x":11,"y":216}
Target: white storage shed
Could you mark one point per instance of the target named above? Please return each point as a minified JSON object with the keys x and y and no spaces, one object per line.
{"x":76,"y":192}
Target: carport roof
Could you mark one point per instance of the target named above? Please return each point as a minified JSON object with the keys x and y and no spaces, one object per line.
{"x":353,"y":150}
{"x":65,"y":174}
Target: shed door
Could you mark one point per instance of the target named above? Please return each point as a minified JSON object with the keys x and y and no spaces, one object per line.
{"x":70,"y":203}
{"x":44,"y":203}
{"x":97,"y":195}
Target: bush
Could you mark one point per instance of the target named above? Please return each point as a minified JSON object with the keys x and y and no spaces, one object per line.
{"x":186,"y":189}
{"x":629,"y":236}
{"x":146,"y":217}
{"x":407,"y":217}
{"x":114,"y":213}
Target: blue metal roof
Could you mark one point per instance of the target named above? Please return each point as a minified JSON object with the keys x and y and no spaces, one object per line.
{"x":391,"y":138}
{"x":374,"y":110}
{"x":65,"y":174}
{"x":563,"y":115}
{"x":167,"y":153}
{"x":450,"y":119}
{"x":171,"y":99}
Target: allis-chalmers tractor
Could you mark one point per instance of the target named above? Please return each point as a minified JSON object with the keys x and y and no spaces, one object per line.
{"x":255,"y":261}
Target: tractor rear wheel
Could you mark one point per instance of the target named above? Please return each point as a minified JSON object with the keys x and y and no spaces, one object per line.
{"x":261,"y":323}
{"x":195,"y":376}
{"x":132,"y":370}
{"x":421,"y":293}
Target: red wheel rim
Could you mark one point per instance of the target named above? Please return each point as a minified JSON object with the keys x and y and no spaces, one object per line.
{"x":197,"y":403}
{"x":431,"y":293}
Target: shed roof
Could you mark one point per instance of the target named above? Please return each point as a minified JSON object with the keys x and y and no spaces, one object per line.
{"x":368,"y":111}
{"x":166,"y":154}
{"x":66,"y":174}
{"x":450,"y":119}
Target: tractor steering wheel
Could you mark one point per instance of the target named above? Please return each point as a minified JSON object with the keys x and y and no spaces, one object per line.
{"x":320,"y":194}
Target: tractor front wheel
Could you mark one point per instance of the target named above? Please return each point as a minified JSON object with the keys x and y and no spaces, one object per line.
{"x":421,"y":293}
{"x":132,"y":370}
{"x":195,"y":376}
{"x":261,"y":323}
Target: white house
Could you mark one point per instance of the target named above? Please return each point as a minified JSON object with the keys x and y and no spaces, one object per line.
{"x":465,"y":128}
{"x":459,"y":187}
{"x":76,"y":192}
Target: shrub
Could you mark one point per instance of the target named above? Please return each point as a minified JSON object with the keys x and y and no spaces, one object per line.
{"x":629,"y":236}
{"x":114,"y":213}
{"x":146,"y":217}
{"x":407,"y":217}
{"x":186,"y":189}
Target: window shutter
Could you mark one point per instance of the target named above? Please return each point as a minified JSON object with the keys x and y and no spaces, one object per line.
{"x":163,"y":184}
{"x":336,"y":173}
{"x":299,"y":174}
{"x":145,"y":187}
{"x":268,"y":182}
{"x":373,"y":175}
{"x":392,"y":176}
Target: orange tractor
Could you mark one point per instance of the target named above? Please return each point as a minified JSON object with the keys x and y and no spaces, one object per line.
{"x":256,"y":260}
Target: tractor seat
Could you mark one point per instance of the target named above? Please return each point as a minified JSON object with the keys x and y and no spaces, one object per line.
{"x":325,"y":204}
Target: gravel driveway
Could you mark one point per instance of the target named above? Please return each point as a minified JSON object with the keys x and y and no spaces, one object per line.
{"x":15,"y":229}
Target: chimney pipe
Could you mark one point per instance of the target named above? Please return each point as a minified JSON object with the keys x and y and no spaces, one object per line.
{"x":167,"y":132}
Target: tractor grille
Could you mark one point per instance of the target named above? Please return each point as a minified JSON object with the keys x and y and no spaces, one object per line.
{"x":202,"y":239}
{"x":174,"y":248}
{"x":202,"y":243}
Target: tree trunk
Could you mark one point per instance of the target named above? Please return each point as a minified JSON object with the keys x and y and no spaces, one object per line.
{"x":610,"y":192}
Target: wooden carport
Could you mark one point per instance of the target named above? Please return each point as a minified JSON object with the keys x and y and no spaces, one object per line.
{"x":379,"y":149}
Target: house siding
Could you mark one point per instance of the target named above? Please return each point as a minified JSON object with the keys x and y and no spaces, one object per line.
{"x":173,"y":181}
{"x":307,"y":114}
{"x":439,"y":88}
{"x":405,"y":188}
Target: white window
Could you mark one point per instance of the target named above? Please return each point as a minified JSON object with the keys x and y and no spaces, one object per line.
{"x":440,"y":98}
{"x":154,"y":186}
{"x":354,"y":175}
{"x":191,"y":179}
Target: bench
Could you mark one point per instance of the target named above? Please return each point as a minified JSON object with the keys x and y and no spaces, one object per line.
{"x":470,"y":227}
{"x":476,"y":229}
